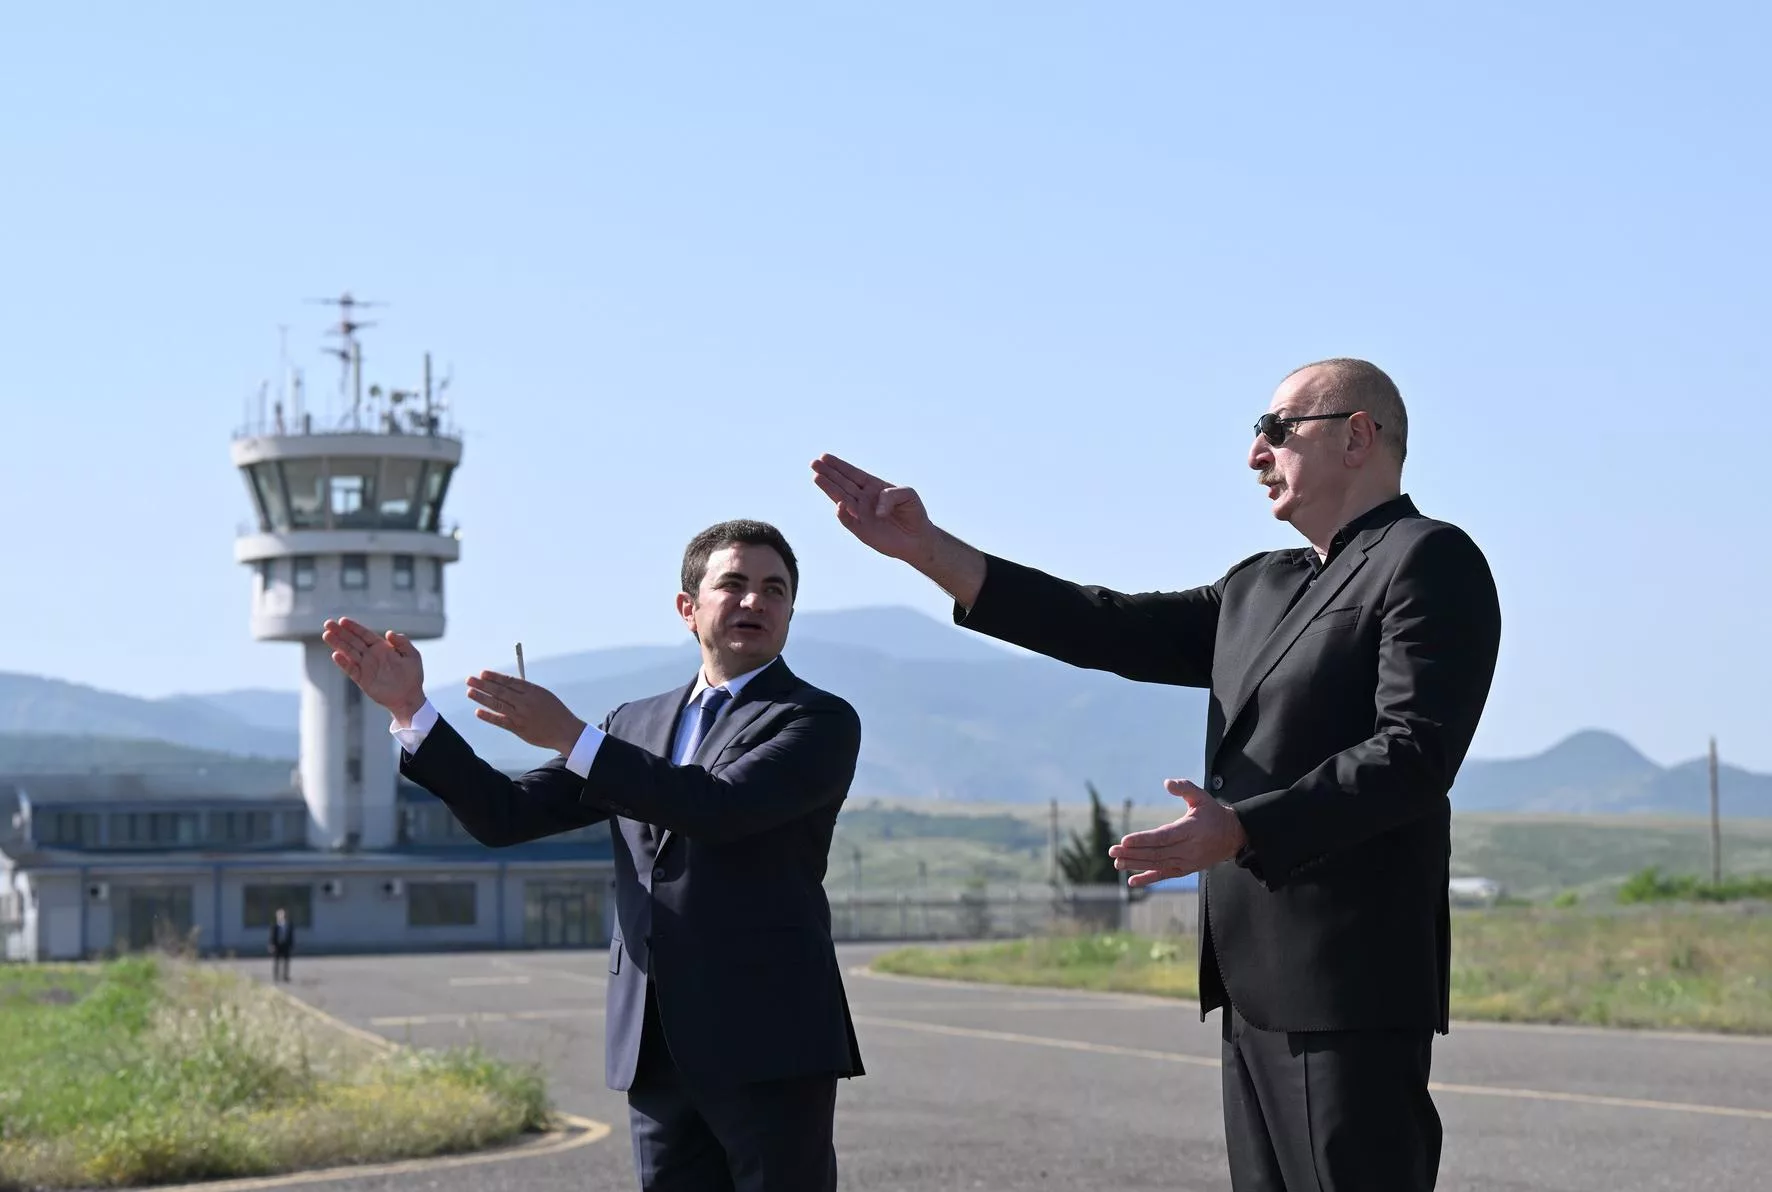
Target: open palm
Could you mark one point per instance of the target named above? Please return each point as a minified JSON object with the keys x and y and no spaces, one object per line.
{"x":386,"y":666}
{"x":892,"y":520}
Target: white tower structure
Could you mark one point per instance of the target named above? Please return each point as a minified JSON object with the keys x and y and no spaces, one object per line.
{"x":350,"y":523}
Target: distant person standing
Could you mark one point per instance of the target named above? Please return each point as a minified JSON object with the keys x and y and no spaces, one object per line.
{"x":1346,"y":678}
{"x":281,"y":945}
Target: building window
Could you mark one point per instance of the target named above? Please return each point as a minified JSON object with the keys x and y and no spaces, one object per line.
{"x":306,"y":483}
{"x":440,"y":904}
{"x":430,"y":518}
{"x":432,"y":823}
{"x":69,"y":829}
{"x":436,"y":575}
{"x":304,"y":573}
{"x":267,"y":572}
{"x":267,"y":488}
{"x":352,"y":486}
{"x":237,"y":828}
{"x":261,"y":905}
{"x":403,"y":484}
{"x":354,"y":571}
{"x":402,"y":573}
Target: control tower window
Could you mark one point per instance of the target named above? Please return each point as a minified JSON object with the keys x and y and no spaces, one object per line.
{"x":304,"y":573}
{"x":403,"y":573}
{"x":307,"y":496}
{"x":352,"y":486}
{"x":267,"y":489}
{"x":400,"y":493}
{"x":436,"y":575}
{"x":354,"y":571}
{"x":436,"y":484}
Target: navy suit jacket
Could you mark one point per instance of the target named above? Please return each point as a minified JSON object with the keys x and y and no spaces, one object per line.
{"x":719,"y":871}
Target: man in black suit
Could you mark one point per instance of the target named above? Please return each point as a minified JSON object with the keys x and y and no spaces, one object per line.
{"x":1346,"y":679}
{"x":727,"y":1022}
{"x":281,"y":945}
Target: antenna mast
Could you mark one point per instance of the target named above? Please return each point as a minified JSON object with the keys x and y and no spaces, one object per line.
{"x":351,"y":353}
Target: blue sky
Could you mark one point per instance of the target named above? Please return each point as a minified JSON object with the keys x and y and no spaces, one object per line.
{"x":1046,"y":262}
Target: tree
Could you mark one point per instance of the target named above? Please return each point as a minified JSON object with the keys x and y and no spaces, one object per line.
{"x":1085,"y":862}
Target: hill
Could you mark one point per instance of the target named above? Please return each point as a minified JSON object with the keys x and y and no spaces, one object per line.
{"x":947,"y":715}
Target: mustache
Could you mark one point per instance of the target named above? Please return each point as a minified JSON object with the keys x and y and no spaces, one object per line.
{"x":1269,"y":478}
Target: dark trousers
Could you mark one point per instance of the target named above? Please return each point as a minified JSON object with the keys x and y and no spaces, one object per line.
{"x":1329,"y":1111}
{"x":279,"y":964}
{"x":774,"y":1136}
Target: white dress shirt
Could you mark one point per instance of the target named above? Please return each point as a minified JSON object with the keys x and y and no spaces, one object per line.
{"x":585,"y":751}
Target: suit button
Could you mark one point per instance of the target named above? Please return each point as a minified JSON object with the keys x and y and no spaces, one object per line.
{"x":658,"y":874}
{"x":1218,"y":782}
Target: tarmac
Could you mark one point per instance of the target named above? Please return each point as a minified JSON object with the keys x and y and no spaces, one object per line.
{"x":997,"y":1088}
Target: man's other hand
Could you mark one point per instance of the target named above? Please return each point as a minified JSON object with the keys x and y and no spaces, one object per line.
{"x":531,"y":712}
{"x":1209,"y":833}
{"x":387,"y":667}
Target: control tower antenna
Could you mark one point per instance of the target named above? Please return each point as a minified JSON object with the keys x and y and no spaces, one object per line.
{"x":351,"y":353}
{"x":349,"y":523}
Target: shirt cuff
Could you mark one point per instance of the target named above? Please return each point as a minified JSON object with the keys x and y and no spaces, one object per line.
{"x":585,"y":751}
{"x":423,"y":721}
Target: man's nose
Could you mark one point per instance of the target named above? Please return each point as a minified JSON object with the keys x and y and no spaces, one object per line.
{"x":1261,"y":453}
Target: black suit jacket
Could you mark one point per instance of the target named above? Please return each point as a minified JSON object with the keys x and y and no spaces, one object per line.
{"x":1341,"y":705}
{"x":719,"y":871}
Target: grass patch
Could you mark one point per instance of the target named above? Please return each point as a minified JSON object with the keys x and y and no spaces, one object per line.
{"x":1692,"y":969}
{"x":1651,"y":885}
{"x":150,"y":1069}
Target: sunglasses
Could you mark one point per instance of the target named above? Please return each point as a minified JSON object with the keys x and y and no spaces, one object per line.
{"x":1274,"y":428}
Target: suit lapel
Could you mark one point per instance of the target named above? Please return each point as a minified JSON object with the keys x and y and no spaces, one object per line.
{"x":1326,"y":588}
{"x":658,"y":735}
{"x":750,"y":703}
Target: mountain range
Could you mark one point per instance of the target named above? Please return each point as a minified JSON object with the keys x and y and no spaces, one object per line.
{"x":946,"y":714}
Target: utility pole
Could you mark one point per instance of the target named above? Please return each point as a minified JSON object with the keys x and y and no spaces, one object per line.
{"x":1716,"y":826}
{"x":1052,"y":846}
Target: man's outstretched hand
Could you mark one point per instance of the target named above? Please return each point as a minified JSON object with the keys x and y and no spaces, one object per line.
{"x":531,"y":712}
{"x":893,"y":521}
{"x":387,"y":667}
{"x":890,"y":519}
{"x":1209,"y":833}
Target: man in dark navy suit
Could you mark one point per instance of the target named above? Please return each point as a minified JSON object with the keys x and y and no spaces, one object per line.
{"x":1345,"y":680}
{"x":727,"y":1022}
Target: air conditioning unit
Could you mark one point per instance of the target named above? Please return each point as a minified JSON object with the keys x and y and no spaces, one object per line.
{"x":99,"y":891}
{"x":332,"y":887}
{"x":393,"y":888}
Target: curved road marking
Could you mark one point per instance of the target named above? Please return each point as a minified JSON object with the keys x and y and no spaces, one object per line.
{"x":1201,"y":1061}
{"x":552,"y":1143}
{"x":581,"y":1131}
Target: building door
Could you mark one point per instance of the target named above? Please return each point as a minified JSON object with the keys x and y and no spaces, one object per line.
{"x":563,"y":914}
{"x":157,"y":916}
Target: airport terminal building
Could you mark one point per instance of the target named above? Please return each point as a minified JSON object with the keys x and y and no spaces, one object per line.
{"x":348,"y":522}
{"x":95,"y":865}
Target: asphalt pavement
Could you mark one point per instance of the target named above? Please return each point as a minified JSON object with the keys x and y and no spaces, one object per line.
{"x":983,"y":1087}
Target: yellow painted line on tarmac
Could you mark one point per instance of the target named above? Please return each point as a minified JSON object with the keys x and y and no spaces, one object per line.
{"x":1201,"y":1061}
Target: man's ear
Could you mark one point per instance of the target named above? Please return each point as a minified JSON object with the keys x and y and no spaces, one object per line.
{"x":686,"y":610}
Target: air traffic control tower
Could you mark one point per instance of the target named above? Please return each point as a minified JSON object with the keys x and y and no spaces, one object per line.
{"x":350,"y":523}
